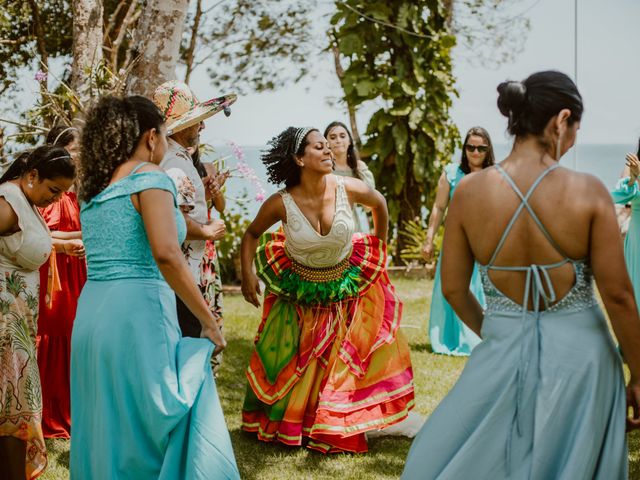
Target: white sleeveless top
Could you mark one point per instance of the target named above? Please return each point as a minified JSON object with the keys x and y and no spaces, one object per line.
{"x":305,"y":245}
{"x":30,"y":247}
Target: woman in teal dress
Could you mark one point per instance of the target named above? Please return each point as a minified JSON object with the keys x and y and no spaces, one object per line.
{"x":542,"y":396}
{"x":447,"y":334}
{"x":143,"y":400}
{"x":627,"y":192}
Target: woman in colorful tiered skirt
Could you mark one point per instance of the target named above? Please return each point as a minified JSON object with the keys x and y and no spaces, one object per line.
{"x":330,"y":362}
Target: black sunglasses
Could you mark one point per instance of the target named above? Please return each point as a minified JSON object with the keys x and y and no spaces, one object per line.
{"x":479,"y":148}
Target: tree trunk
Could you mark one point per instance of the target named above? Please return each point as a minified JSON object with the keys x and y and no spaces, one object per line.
{"x":350,"y":108}
{"x":157,"y":46}
{"x":194,"y":40}
{"x":87,"y":45}
{"x":409,"y":209}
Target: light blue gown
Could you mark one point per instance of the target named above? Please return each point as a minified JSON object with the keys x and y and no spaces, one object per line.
{"x":143,"y":400}
{"x":542,"y":397}
{"x":448,"y":335}
{"x":625,"y":194}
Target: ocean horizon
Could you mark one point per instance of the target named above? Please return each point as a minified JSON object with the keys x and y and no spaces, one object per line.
{"x":605,"y":161}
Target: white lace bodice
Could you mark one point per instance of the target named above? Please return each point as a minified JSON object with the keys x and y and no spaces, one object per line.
{"x":306,"y":245}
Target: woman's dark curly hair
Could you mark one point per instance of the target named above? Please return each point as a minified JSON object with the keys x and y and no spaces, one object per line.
{"x":352,"y":153}
{"x":489,"y":158}
{"x":112,"y":132}
{"x":280,"y":160}
{"x":50,"y":161}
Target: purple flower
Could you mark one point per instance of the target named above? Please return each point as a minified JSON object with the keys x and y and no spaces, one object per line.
{"x":41,"y":76}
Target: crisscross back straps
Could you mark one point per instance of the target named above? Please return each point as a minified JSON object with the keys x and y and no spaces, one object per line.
{"x":524,"y":203}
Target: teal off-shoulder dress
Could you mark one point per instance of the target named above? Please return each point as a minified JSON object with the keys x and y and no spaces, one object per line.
{"x":447,"y":333}
{"x":144,"y":403}
{"x":630,"y":194}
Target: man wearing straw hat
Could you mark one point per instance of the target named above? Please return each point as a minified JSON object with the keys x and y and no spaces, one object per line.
{"x":184,"y":116}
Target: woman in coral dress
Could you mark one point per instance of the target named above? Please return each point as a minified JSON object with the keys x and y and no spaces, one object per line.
{"x":330,"y":362}
{"x":58,"y":307}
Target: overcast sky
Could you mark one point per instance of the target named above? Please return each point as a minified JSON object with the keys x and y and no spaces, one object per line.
{"x":608,"y":77}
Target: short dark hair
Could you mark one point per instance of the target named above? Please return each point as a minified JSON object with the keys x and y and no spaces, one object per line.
{"x":279,"y":157}
{"x":352,"y":151}
{"x":50,"y":161}
{"x":111,"y":133}
{"x":530,"y":104}
{"x":489,"y":158}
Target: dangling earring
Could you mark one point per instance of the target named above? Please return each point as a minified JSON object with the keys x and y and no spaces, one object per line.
{"x":30,"y":185}
{"x":558,"y":143}
{"x":153,"y":149}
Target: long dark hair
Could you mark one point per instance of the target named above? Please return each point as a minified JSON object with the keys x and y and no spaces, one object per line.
{"x":529,"y":105}
{"x":50,"y":161}
{"x":279,"y":158}
{"x":352,"y":152}
{"x":112,"y":131}
{"x":489,"y":158}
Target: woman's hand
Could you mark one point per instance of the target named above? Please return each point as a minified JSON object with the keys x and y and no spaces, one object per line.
{"x":634,"y":166}
{"x":633,"y":403}
{"x":427,"y":251}
{"x":73,"y":247}
{"x":213,"y":333}
{"x":214,"y":182}
{"x":251,"y":288}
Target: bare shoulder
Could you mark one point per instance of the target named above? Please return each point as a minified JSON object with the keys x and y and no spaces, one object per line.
{"x":354,"y":184}
{"x":474,"y":182}
{"x":150,"y":167}
{"x":8,"y":218}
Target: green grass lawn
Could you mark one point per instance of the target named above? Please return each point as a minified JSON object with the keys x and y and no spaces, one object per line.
{"x":434,"y":376}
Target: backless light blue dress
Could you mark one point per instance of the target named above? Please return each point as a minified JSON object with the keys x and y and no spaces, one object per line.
{"x":143,"y":400}
{"x":630,"y":194}
{"x":542,"y":397}
{"x":447,"y":334}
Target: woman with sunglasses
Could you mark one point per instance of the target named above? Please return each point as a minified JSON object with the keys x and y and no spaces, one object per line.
{"x":447,"y":334}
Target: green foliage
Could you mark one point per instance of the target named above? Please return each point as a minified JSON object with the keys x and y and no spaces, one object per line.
{"x":251,"y":46}
{"x":414,"y":234}
{"x":236,"y":218}
{"x":19,"y":38}
{"x":400,"y":57}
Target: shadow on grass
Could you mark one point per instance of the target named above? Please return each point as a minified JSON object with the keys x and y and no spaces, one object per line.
{"x":422,"y":347}
{"x":258,"y":459}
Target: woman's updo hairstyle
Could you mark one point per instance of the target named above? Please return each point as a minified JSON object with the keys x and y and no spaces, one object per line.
{"x":49,"y":161}
{"x":529,"y":105}
{"x":280,"y":156}
{"x":113,"y":129}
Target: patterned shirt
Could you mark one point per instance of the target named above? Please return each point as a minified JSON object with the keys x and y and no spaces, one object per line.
{"x":191,"y":198}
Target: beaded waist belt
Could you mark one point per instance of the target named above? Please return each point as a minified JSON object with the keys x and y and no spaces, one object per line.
{"x":320,"y":275}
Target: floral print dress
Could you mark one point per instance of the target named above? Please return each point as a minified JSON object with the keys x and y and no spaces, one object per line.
{"x":21,"y":255}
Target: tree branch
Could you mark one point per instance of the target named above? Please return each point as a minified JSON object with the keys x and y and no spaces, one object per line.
{"x":40,"y":40}
{"x":192,"y":42}
{"x":350,"y":108}
{"x":129,"y":19}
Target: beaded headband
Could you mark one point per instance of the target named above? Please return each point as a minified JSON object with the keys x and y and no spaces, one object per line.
{"x":300,"y":134}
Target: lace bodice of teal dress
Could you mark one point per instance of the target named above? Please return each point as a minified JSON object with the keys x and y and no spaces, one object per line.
{"x":113,"y":231}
